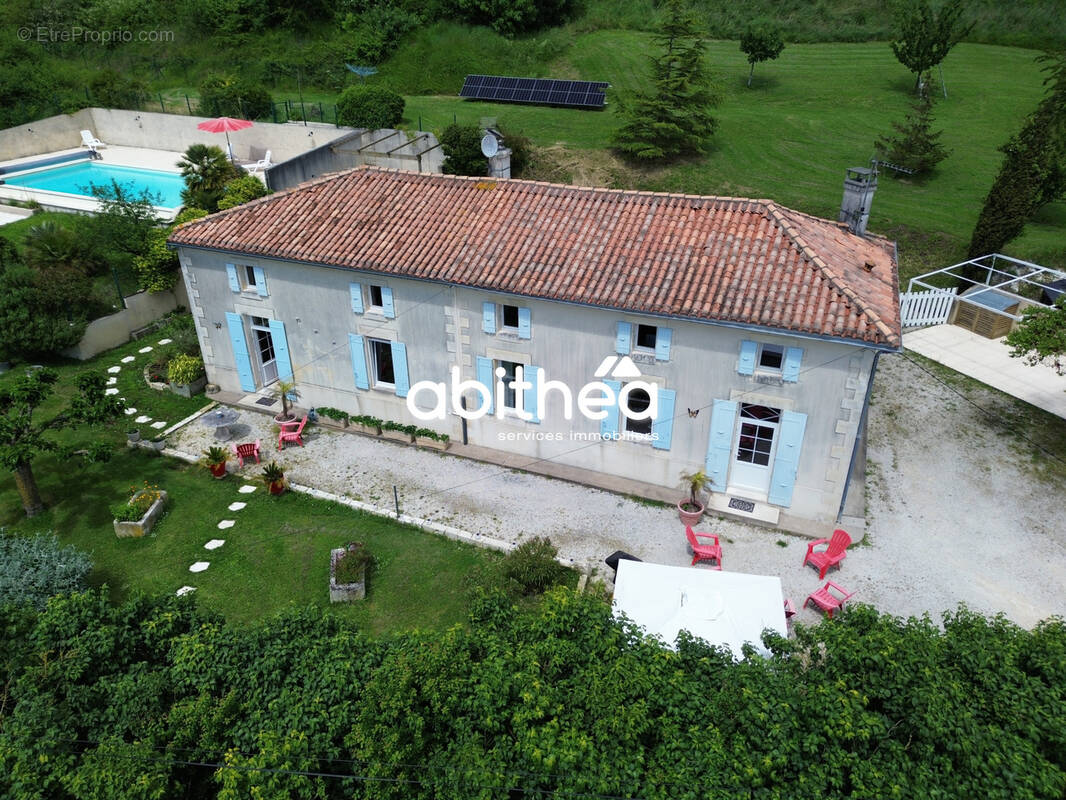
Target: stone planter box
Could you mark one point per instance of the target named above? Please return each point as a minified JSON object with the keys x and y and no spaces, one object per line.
{"x":159,"y":386}
{"x":432,"y":444}
{"x":368,"y":430}
{"x":397,"y":436}
{"x":344,"y":592}
{"x":189,"y":389}
{"x":330,"y":422}
{"x":143,"y":525}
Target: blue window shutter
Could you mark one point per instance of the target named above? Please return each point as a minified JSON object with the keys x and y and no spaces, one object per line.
{"x":664,"y":423}
{"x":240,"y":351}
{"x":529,"y":399}
{"x":790,"y":370}
{"x":662,"y":343}
{"x":386,"y":302}
{"x":281,"y":349}
{"x":523,"y":323}
{"x":609,"y":424}
{"x":621,"y":339}
{"x":356,"y":293}
{"x":488,"y":317}
{"x":399,"y":368}
{"x":720,"y":443}
{"x":362,"y":377}
{"x":485,"y":378}
{"x":234,"y":284}
{"x":260,"y":281}
{"x":786,"y":461}
{"x":746,"y":364}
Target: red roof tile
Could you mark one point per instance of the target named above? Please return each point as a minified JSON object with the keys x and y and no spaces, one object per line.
{"x":709,"y":258}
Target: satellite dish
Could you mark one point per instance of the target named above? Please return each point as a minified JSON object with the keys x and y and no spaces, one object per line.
{"x":489,"y":145}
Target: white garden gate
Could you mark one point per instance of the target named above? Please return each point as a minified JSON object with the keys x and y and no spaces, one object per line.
{"x":926,"y":308}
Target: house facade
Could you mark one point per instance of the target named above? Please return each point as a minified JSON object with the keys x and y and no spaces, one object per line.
{"x":654,"y":334}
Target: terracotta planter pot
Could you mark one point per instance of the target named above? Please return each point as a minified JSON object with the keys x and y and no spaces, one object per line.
{"x":690,"y":517}
{"x":219,"y":470}
{"x":277,"y":487}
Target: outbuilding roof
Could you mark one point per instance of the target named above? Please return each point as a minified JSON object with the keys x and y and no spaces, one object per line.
{"x":707,"y":258}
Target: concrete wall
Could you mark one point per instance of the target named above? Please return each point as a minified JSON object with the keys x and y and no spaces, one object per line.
{"x":45,"y":135}
{"x":111,"y":331}
{"x":418,"y":152}
{"x":441,"y":326}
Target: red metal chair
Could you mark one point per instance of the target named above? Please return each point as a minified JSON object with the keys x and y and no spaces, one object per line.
{"x":243,"y":451}
{"x":826,"y":600}
{"x":831,"y":556}
{"x":290,"y":432}
{"x":704,"y":552}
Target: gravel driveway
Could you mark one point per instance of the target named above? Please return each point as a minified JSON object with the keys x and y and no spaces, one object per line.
{"x":954,"y":513}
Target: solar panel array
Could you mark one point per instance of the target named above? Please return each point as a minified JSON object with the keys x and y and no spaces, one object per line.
{"x":546,"y":91}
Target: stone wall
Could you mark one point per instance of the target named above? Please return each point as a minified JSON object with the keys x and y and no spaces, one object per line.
{"x":141,"y":310}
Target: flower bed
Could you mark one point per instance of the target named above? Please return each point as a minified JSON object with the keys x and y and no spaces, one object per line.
{"x":347,"y":573}
{"x":136,"y":516}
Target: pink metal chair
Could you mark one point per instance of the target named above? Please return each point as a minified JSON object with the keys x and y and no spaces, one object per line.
{"x":826,"y":600}
{"x":833,"y":554}
{"x":243,"y":451}
{"x":704,"y":552}
{"x":291,"y":432}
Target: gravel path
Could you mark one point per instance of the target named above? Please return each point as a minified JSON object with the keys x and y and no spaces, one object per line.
{"x":954,"y":514}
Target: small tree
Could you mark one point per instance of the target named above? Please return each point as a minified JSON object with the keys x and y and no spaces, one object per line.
{"x":41,"y":313}
{"x":926,"y":36}
{"x":22,"y":438}
{"x":915,"y":145}
{"x":371,"y":107}
{"x":1041,"y":334}
{"x":241,"y":190}
{"x":206,"y":171}
{"x":462,"y":146}
{"x":673,"y":118}
{"x":157,"y":266}
{"x":225,"y":96}
{"x":761,"y":41}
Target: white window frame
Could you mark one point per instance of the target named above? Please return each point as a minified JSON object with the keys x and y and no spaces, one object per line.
{"x":637,"y":348}
{"x":634,"y":436}
{"x":246,"y":275}
{"x":372,"y":364}
{"x":760,"y":367}
{"x":377,"y":308}
{"x":502,"y":326}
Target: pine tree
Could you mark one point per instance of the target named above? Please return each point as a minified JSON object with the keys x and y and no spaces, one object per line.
{"x":674,"y":118}
{"x":916,"y":145}
{"x":1033,"y":171}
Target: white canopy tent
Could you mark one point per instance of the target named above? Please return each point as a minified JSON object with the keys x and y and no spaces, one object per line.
{"x":723,"y":608}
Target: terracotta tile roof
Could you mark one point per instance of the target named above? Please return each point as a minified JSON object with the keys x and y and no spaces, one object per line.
{"x":708,"y":258}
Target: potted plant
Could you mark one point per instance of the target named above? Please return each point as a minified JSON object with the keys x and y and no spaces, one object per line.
{"x":286,"y":390}
{"x":274,"y":478}
{"x":186,"y":375}
{"x":398,"y":432}
{"x":430,"y":438}
{"x":215,"y":459}
{"x":364,"y":423}
{"x":691,"y":510}
{"x":347,"y":572}
{"x":336,"y":417}
{"x":133,"y":435}
{"x":158,"y":443}
{"x":136,"y":516}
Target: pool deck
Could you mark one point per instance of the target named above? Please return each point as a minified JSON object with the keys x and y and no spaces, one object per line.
{"x":163,"y":160}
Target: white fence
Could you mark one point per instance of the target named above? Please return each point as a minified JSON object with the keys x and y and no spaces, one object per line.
{"x":926,"y":308}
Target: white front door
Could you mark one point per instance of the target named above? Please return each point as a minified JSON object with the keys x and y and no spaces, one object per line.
{"x":264,"y":348}
{"x":753,"y":449}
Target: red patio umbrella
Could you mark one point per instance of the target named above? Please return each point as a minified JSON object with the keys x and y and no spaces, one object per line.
{"x":225,"y":125}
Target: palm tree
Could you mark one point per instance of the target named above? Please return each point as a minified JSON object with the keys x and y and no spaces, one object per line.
{"x":206,"y":170}
{"x":50,"y":246}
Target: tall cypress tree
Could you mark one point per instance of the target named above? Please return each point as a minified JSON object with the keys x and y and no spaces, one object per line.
{"x":1033,"y":171}
{"x":673,"y":118}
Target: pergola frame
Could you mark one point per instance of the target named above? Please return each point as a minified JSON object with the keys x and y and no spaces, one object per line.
{"x":1005,"y":278}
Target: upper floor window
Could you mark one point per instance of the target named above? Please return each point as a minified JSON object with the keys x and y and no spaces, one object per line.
{"x":646,"y":337}
{"x":377,"y":302}
{"x":771,"y":357}
{"x":248,"y":282}
{"x":509,"y":318}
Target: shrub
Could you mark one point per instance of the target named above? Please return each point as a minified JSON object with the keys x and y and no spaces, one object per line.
{"x":241,"y":190}
{"x":185,"y":368}
{"x":377,"y":31}
{"x":157,"y":267}
{"x":222,"y":96}
{"x":531,"y":567}
{"x":34,"y":568}
{"x":462,"y":146}
{"x":370,"y":107}
{"x":352,"y":563}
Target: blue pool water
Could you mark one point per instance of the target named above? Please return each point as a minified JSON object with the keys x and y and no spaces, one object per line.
{"x":77,"y":178}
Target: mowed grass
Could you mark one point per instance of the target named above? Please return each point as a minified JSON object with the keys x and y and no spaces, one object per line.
{"x":809,"y":115}
{"x":275,"y":555}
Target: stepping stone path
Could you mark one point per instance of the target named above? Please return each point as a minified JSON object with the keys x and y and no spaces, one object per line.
{"x":247,"y":489}
{"x":145,"y":349}
{"x":128,"y":359}
{"x":129,"y":411}
{"x":114,"y":369}
{"x":111,"y":391}
{"x":184,"y":590}
{"x":159,"y":424}
{"x":214,"y":544}
{"x":165,"y":341}
{"x":142,"y":419}
{"x":236,"y":506}
{"x":200,"y":566}
{"x":112,"y":381}
{"x":226,"y":523}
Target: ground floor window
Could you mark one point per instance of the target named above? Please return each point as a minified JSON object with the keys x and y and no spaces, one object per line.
{"x":638,"y":402}
{"x":757,"y":427}
{"x":381,"y":363}
{"x":510,"y":371}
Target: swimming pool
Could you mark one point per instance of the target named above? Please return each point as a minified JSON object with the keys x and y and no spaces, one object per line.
{"x":77,"y":178}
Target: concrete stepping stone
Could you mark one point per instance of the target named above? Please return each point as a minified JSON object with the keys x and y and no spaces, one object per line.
{"x":214,"y":544}
{"x":226,"y":523}
{"x":142,"y":419}
{"x":110,"y":391}
{"x":184,"y":590}
{"x":129,"y":411}
{"x":236,"y":506}
{"x":147,"y":349}
{"x":165,"y":341}
{"x":115,"y":369}
{"x":247,"y":489}
{"x":112,"y":381}
{"x":128,"y":359}
{"x":159,"y":424}
{"x":199,"y":566}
